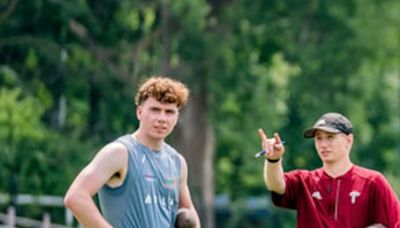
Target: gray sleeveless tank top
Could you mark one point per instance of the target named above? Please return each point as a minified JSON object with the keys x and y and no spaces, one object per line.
{"x":149,"y":196}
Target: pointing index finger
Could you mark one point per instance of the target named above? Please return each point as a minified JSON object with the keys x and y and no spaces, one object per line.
{"x":262,"y":135}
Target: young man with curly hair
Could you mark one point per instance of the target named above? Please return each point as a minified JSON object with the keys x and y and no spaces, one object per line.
{"x":141,"y":180}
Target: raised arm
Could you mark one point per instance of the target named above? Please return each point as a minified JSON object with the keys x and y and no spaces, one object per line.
{"x":273,"y":170}
{"x":109,"y":160}
{"x":185,"y":200}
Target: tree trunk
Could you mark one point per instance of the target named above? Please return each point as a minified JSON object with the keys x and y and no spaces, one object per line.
{"x":194,"y":139}
{"x":193,"y":136}
{"x":165,"y":65}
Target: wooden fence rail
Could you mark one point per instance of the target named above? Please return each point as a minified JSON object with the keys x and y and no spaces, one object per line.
{"x":11,"y":220}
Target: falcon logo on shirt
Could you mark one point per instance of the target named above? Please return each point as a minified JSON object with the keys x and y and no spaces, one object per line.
{"x":353,"y":195}
{"x":317,"y":195}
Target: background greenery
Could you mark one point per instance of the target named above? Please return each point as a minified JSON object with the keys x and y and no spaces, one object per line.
{"x":69,"y":70}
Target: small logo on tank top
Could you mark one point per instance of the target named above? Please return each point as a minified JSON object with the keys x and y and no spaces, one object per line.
{"x":163,"y":201}
{"x":317,"y":195}
{"x":149,"y":177}
{"x":353,"y":195}
{"x":170,"y":183}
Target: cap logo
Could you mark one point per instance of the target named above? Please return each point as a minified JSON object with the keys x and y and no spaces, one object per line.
{"x":330,"y":122}
{"x":321,"y":122}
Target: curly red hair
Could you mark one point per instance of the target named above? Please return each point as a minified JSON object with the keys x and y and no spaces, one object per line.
{"x":164,"y":90}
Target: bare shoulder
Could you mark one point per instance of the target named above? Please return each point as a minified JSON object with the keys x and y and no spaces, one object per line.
{"x":182,"y":159}
{"x":111,"y":163}
{"x":113,"y":155}
{"x":109,"y":160}
{"x":113,"y":149}
{"x":182,"y":162}
{"x":183,"y":169}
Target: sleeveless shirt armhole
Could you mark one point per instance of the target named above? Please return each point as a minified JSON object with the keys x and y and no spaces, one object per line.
{"x":178,"y":162}
{"x":176,"y":155}
{"x":124,"y":140}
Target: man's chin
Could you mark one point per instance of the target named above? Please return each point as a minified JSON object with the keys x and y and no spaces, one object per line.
{"x":159,"y":136}
{"x":326,"y":159}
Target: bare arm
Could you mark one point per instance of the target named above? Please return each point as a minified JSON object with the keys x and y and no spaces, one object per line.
{"x":185,"y":200}
{"x":273,"y":172}
{"x":109,"y":160}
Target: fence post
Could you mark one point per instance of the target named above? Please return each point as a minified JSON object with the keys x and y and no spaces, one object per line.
{"x":46,"y":220}
{"x":69,"y":218}
{"x":11,"y":217}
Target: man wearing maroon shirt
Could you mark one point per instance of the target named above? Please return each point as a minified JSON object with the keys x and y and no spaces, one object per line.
{"x":339,"y":194}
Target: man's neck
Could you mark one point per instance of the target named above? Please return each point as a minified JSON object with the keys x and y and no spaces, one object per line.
{"x":152,"y":144}
{"x":337,"y":169}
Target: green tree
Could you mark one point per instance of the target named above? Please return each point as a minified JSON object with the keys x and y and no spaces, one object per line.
{"x":20,"y":129}
{"x":75,"y":65}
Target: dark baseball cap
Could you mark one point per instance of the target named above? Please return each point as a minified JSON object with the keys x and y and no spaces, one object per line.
{"x":330,"y":122}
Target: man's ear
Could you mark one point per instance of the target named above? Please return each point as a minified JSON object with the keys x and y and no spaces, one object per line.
{"x":139,"y":112}
{"x":351,"y":138}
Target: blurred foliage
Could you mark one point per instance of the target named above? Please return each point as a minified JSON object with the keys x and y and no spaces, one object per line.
{"x":69,"y":70}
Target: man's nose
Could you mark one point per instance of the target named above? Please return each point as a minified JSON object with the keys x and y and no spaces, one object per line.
{"x":324,"y":142}
{"x":162,"y":117}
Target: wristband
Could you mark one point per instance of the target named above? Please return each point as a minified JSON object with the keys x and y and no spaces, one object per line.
{"x":273,"y":160}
